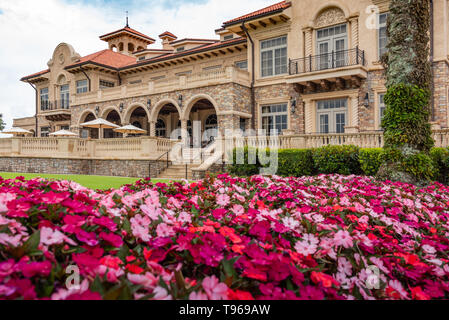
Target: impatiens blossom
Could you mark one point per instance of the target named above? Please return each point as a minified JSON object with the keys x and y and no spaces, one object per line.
{"x":214,"y":289}
{"x":308,"y":245}
{"x":343,"y":238}
{"x":327,"y":237}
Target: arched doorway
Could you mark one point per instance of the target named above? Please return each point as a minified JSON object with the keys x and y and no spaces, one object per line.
{"x":203,"y":111}
{"x":114,"y":117}
{"x":139,"y":119}
{"x":88,"y":132}
{"x":167,"y":120}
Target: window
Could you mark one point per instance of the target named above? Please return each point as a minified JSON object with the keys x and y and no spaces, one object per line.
{"x":331,"y":46}
{"x":382,"y":108}
{"x":180,"y":49}
{"x":142,"y":58}
{"x":383,"y":39}
{"x":211,"y":128}
{"x":45,"y":103}
{"x":212,"y":68}
{"x":161,"y":129}
{"x":65,"y":97}
{"x":106,"y":84}
{"x":64,"y":128}
{"x":135,"y":82}
{"x":185,"y":73}
{"x":45,"y":131}
{"x":274,"y":119}
{"x":82,"y":86}
{"x":243,"y":124}
{"x":242,"y":65}
{"x":158,"y":78}
{"x":274,"y":56}
{"x":228,"y":37}
{"x":332,"y":115}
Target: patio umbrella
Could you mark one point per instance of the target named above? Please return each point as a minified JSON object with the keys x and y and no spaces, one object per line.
{"x":17,"y":131}
{"x":130,"y":129}
{"x":99,"y":124}
{"x":63,"y":133}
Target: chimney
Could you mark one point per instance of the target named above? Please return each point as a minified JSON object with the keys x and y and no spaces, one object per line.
{"x":167,"y":38}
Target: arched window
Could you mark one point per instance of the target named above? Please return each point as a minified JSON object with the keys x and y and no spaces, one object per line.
{"x":131,"y":47}
{"x":120,"y":46}
{"x":161,"y":129}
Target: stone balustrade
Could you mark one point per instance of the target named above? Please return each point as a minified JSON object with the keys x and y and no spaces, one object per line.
{"x":145,"y":148}
{"x":196,"y":80}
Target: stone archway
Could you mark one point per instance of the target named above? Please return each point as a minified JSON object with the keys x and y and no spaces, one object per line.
{"x":112,"y":115}
{"x":139,"y":116}
{"x":88,"y":132}
{"x":202,"y":111}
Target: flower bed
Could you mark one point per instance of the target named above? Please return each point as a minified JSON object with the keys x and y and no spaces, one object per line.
{"x":326,"y":237}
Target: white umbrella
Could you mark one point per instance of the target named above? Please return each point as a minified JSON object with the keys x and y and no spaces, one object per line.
{"x":100,"y":124}
{"x":17,"y":131}
{"x":63,"y":133}
{"x":130,"y":129}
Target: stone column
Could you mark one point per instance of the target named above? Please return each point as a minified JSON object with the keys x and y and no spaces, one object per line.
{"x":310,"y":116}
{"x":354,"y":31}
{"x":152,"y":126}
{"x":308,"y":46}
{"x":184,"y":134}
{"x":354,"y":126}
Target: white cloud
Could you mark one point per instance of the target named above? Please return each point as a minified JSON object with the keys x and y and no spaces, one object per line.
{"x":32,"y":29}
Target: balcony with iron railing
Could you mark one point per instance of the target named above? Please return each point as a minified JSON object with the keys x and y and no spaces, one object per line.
{"x":336,"y":64}
{"x":56,"y":110}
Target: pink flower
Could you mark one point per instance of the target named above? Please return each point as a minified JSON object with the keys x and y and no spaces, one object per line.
{"x":147,"y":280}
{"x":343,"y":238}
{"x":10,"y":241}
{"x":161,"y":294}
{"x":308,"y":245}
{"x":223,"y":200}
{"x":214,"y":289}
{"x":112,"y":239}
{"x":198,"y":296}
{"x":139,"y":227}
{"x":89,"y":238}
{"x":163,"y":230}
{"x":344,"y":266}
{"x":238,"y":210}
{"x":51,"y":237}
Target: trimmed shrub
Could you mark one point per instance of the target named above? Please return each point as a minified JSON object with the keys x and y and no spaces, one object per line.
{"x":244,"y":169}
{"x":296,"y":163}
{"x":370,"y":160}
{"x":440,"y":158}
{"x":337,"y":159}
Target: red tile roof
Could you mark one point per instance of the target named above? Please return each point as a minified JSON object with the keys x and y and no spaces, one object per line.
{"x":107,"y":58}
{"x":203,"y":48}
{"x":35,"y":74}
{"x":168,"y":34}
{"x":127,"y":29}
{"x":271,"y":9}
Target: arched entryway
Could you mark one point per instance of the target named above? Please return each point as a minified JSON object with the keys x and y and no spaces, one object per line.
{"x":88,"y":132}
{"x":138,"y":117}
{"x":166,"y":119}
{"x":202,"y":112}
{"x":114,"y":117}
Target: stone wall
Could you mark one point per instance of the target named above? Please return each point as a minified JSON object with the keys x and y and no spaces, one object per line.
{"x":440,"y":100}
{"x":114,"y":168}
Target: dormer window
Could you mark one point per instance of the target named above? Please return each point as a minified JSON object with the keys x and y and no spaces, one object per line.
{"x":228,"y":37}
{"x":180,"y":49}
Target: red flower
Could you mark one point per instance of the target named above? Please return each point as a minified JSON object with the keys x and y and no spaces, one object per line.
{"x":419,"y":294}
{"x":326,"y":280}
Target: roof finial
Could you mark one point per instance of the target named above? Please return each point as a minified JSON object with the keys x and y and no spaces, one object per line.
{"x":127,"y":22}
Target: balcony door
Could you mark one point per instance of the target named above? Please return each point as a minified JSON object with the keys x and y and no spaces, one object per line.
{"x":331,"y":46}
{"x":65,"y":96}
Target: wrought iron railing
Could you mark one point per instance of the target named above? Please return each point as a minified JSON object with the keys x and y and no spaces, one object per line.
{"x":55,"y":105}
{"x":332,"y":60}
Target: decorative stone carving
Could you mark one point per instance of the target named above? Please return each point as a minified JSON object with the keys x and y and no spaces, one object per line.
{"x":330,"y":17}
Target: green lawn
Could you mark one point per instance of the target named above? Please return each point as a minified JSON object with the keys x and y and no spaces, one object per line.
{"x":92,"y":182}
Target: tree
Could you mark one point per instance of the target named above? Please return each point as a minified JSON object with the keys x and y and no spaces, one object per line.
{"x":407,"y":131}
{"x":2,"y":123}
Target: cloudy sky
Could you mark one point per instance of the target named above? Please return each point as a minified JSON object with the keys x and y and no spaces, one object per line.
{"x":30,"y":31}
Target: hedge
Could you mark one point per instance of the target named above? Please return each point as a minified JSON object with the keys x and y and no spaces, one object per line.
{"x":344,"y":160}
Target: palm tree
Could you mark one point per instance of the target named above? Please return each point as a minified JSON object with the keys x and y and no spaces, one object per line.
{"x":2,"y":124}
{"x":408,"y":138}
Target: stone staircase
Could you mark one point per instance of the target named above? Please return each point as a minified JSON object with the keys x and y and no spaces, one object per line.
{"x":178,"y":172}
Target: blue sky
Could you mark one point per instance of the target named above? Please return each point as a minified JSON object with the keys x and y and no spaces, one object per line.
{"x":32,"y":30}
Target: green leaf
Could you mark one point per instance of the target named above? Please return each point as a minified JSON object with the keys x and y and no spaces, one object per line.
{"x":32,"y":243}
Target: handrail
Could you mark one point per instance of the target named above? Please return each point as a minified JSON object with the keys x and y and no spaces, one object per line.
{"x":327,"y":61}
